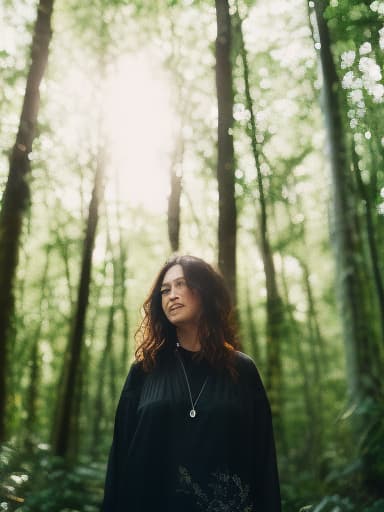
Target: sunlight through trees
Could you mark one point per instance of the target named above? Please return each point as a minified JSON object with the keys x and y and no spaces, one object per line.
{"x":247,"y":132}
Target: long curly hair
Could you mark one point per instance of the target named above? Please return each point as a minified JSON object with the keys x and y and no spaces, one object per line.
{"x":216,"y":330}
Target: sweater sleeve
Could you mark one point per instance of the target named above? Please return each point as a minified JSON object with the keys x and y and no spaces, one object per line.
{"x":267,"y":484}
{"x":124,"y":428}
{"x":269,"y":481}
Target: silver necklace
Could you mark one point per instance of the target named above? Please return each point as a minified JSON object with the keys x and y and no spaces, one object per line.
{"x":192,"y":412}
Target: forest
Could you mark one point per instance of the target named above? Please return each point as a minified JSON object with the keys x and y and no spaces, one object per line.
{"x":247,"y":132}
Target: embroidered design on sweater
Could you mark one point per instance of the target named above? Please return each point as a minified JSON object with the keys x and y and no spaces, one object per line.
{"x":224,"y":493}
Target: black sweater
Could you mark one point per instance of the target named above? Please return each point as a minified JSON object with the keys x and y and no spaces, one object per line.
{"x":162,"y":460}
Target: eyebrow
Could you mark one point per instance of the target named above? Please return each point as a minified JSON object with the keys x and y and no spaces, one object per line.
{"x":167,"y":283}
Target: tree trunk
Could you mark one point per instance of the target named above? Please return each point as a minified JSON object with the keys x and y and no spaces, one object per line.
{"x":320,"y":355}
{"x":63,"y":247}
{"x":371,"y":238}
{"x":225,"y":160}
{"x":364,"y":365}
{"x":65,"y":423}
{"x":87,"y":363}
{"x":275,"y":308}
{"x":175,"y":195}
{"x":16,"y":195}
{"x":252,"y":328}
{"x":294,"y":335}
{"x":357,"y":333}
{"x":119,"y":264}
{"x":107,"y":360}
{"x":122,"y":262}
{"x":35,"y":364}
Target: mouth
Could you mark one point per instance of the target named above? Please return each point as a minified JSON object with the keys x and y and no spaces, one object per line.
{"x":176,"y":306}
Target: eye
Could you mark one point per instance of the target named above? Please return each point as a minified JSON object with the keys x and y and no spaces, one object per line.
{"x":164,"y":291}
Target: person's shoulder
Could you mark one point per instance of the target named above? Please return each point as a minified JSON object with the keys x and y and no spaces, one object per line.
{"x":136,"y":367}
{"x":135,"y":376}
{"x":247,"y":369}
{"x":244,"y":362}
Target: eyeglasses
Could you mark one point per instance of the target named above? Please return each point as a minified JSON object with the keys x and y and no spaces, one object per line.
{"x":178,"y":285}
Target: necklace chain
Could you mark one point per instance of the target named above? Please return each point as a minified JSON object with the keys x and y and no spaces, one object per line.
{"x":192,"y":412}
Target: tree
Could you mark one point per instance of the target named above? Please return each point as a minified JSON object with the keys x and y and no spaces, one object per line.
{"x":175,"y":195}
{"x":274,"y":304}
{"x":17,"y":192}
{"x":361,"y":344}
{"x":35,"y":362}
{"x":225,"y":160}
{"x":65,"y":423}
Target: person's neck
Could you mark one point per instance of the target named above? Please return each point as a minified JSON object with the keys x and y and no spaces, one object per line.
{"x":188,"y":338}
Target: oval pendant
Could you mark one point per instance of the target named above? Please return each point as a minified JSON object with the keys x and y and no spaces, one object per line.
{"x":192,"y":413}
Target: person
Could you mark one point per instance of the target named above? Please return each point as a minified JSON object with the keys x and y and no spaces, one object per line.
{"x":193,"y":429}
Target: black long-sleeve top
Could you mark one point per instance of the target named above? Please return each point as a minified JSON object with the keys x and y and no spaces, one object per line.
{"x":162,"y":460}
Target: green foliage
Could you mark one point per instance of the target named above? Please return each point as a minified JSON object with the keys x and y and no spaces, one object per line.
{"x":353,"y":19}
{"x":371,"y":414}
{"x":35,"y":481}
{"x":285,"y":88}
{"x":344,"y":504}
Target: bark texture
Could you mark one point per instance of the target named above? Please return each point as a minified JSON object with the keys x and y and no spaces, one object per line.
{"x":225,"y":159}
{"x":65,"y":420}
{"x":345,"y":235}
{"x":175,"y":196}
{"x":17,"y":191}
{"x":363,"y":351}
{"x":274,"y":305}
{"x":371,"y":237}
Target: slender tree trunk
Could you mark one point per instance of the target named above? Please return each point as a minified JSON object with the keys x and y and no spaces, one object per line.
{"x":251,"y":328}
{"x":18,"y":341}
{"x":363,"y":368}
{"x":122,"y":262}
{"x":16,"y":195}
{"x":371,"y":238}
{"x":88,"y":409}
{"x":119,"y":262}
{"x":296,"y":341}
{"x":67,"y":402}
{"x":312,"y":316}
{"x":125,"y":340}
{"x":63,"y":247}
{"x":317,"y":340}
{"x":357,"y":333}
{"x":275,"y":308}
{"x":175,"y":195}
{"x":35,"y":364}
{"x":225,"y":160}
{"x":107,"y":357}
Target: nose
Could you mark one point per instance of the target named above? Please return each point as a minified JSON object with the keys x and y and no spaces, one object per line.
{"x":173,"y":292}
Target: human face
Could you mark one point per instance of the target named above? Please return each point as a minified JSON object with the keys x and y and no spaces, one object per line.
{"x":181,"y":304}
